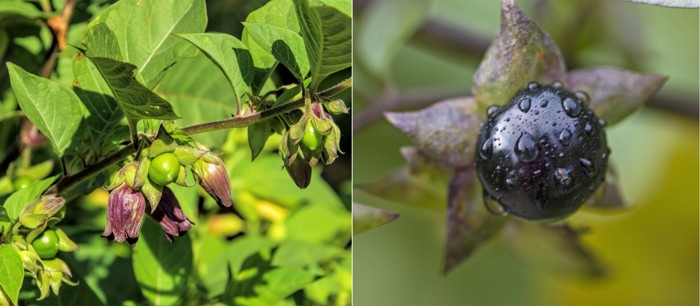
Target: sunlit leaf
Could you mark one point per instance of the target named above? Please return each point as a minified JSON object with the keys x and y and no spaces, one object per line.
{"x":469,"y":223}
{"x":446,"y":131}
{"x":284,"y":44}
{"x":365,"y":218}
{"x":258,"y":134}
{"x":136,"y":100}
{"x":278,"y":284}
{"x":279,"y":13}
{"x":54,"y":109}
{"x":11,"y":271}
{"x":521,"y":53}
{"x":199,"y":99}
{"x":614,"y":93}
{"x":155,"y":49}
{"x":16,"y":202}
{"x":229,"y":54}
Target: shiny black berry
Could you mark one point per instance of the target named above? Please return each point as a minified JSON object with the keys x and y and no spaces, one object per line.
{"x":543,"y":154}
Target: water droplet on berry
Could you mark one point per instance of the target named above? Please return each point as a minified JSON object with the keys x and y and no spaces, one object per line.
{"x":491,"y":110}
{"x":562,"y":176}
{"x":602,"y":122}
{"x":524,"y":105}
{"x":565,"y":137}
{"x":588,"y":128}
{"x":556,"y":84}
{"x":533,"y":85}
{"x":582,"y":96}
{"x":526,"y":148}
{"x":588,"y":167}
{"x":487,"y":149}
{"x":571,"y":107}
{"x":493,"y":206}
{"x":544,"y":103}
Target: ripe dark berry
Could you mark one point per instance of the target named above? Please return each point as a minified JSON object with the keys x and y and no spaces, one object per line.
{"x":543,"y":154}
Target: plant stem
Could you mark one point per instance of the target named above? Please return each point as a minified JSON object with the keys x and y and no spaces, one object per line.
{"x":70,"y":181}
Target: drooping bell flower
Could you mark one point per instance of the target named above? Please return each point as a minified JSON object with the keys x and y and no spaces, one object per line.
{"x":170,"y":216}
{"x":124,"y":213}
{"x":210,"y":173}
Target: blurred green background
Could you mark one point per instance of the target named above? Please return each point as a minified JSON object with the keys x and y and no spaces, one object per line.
{"x":416,"y":52}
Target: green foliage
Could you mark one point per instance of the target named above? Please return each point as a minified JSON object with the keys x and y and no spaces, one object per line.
{"x":138,"y":80}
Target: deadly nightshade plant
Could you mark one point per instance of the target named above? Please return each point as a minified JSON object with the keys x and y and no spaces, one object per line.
{"x":528,"y":145}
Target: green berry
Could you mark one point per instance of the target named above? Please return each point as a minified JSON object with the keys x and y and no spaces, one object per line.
{"x":46,"y":245}
{"x":164,"y":169}
{"x":312,"y":139}
{"x":22,"y":183}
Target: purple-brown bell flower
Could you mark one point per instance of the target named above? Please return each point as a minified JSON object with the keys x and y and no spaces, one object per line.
{"x":210,"y":173}
{"x":169,"y":215}
{"x":124,"y":213}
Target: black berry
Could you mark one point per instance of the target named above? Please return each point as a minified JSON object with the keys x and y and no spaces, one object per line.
{"x":543,"y":154}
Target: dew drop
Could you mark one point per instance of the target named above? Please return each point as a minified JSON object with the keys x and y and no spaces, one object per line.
{"x":524,"y":105}
{"x":544,"y":103}
{"x":533,"y":85}
{"x":510,"y":183}
{"x":556,"y":84}
{"x":588,"y":167}
{"x":582,"y":96}
{"x":491,"y":110}
{"x":571,"y":107}
{"x":565,"y":137}
{"x":562,"y":176}
{"x":588,"y":128}
{"x":537,"y":172}
{"x":493,"y":206}
{"x":602,"y":122}
{"x":526,"y":148}
{"x":486,"y":149}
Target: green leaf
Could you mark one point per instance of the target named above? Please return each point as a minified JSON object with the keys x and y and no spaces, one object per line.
{"x":16,"y":202}
{"x":54,"y":109}
{"x":521,"y":53}
{"x":386,"y":27}
{"x":136,"y":100}
{"x":336,"y":49}
{"x":284,"y":44}
{"x":11,"y":271}
{"x":245,"y":175}
{"x":199,"y":99}
{"x":230,"y":55}
{"x":3,"y":215}
{"x":445,"y":132}
{"x":327,"y":38}
{"x":343,"y":6}
{"x":310,"y":23}
{"x":24,"y":9}
{"x":143,"y":29}
{"x":294,"y":253}
{"x":319,"y":223}
{"x":258,"y":134}
{"x":212,"y":264}
{"x":96,"y":95}
{"x":278,"y":13}
{"x":245,"y":247}
{"x":162,"y":268}
{"x":100,"y":41}
{"x":469,"y":223}
{"x":365,"y":218}
{"x":278,"y":284}
{"x":614,"y":93}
